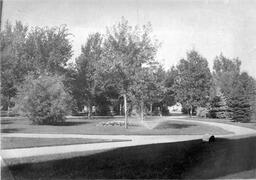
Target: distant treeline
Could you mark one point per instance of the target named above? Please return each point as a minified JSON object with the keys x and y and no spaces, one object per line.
{"x":117,"y":73}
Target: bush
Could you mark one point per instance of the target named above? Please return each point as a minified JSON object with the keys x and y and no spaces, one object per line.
{"x":202,"y":112}
{"x":43,"y":100}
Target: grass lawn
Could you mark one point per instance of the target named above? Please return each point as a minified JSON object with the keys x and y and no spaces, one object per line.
{"x":250,"y":174}
{"x":182,"y":160}
{"x":251,"y":124}
{"x":84,"y":126}
{"x":20,"y":142}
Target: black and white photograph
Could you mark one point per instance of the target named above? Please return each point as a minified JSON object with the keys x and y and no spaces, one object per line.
{"x":127,"y":89}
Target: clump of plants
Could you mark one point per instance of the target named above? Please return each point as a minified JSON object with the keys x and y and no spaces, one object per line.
{"x":116,"y":123}
{"x":202,"y":112}
{"x":43,"y":100}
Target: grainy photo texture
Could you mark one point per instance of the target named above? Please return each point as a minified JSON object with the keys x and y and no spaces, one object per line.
{"x":128,"y":89}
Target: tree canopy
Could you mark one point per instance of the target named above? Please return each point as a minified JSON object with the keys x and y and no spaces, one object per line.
{"x":193,"y":82}
{"x":127,"y":50}
{"x":120,"y":68}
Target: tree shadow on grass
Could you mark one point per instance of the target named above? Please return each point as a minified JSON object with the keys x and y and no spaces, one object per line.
{"x":65,"y":123}
{"x":182,"y":160}
{"x":170,"y":125}
{"x":72,"y":123}
{"x":3,"y":122}
{"x":10,"y":130}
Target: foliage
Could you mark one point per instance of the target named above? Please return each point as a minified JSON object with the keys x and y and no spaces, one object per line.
{"x":40,"y":50}
{"x":13,"y":64}
{"x":219,"y":107}
{"x":241,"y":98}
{"x":48,"y":49}
{"x":43,"y":100}
{"x":193,"y":82}
{"x":225,"y":74}
{"x":169,"y":96}
{"x":148,"y":88}
{"x":237,"y":89}
{"x":88,"y":82}
{"x":126,"y":51}
{"x":253,"y":100}
{"x":202,"y":112}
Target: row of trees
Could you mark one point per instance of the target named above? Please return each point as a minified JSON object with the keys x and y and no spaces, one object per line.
{"x":118,"y":68}
{"x":32,"y":63}
{"x":226,"y":93}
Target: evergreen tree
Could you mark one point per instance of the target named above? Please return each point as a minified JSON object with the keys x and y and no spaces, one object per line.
{"x":219,"y":107}
{"x":241,"y":96}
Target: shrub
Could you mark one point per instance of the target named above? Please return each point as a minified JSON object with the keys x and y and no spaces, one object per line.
{"x":202,"y":112}
{"x":43,"y":100}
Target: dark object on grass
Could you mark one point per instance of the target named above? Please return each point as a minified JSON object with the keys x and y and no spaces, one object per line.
{"x":208,"y":138}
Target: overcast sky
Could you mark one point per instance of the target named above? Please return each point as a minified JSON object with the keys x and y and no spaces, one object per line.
{"x":210,"y":27}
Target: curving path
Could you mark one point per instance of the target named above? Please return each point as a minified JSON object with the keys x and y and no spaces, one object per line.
{"x":236,"y":130}
{"x":135,"y":140}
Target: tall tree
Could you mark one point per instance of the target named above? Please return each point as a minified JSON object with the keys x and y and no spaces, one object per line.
{"x":193,"y":83}
{"x":89,"y":75}
{"x":49,"y":49}
{"x":157,"y":89}
{"x":225,"y":77}
{"x":127,"y":49}
{"x":169,"y":81}
{"x":225,"y":74}
{"x":13,"y":64}
{"x":148,"y":87}
{"x":36,"y":51}
{"x":242,"y":97}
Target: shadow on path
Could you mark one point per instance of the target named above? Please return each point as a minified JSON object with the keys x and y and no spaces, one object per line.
{"x":182,"y":160}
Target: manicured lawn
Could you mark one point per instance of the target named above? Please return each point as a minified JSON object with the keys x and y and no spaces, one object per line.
{"x":251,"y":124}
{"x":182,"y":160}
{"x":20,"y":142}
{"x":84,"y":126}
{"x":250,"y":174}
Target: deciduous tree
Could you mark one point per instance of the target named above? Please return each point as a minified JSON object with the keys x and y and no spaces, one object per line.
{"x":127,"y":49}
{"x":193,"y":82}
{"x":14,"y":65}
{"x":49,"y":49}
{"x":89,"y":81}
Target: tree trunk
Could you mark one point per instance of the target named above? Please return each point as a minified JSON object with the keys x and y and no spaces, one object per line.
{"x":120,"y":109}
{"x":89,"y":111}
{"x":160,"y":112}
{"x":190,"y":111}
{"x":151,"y":109}
{"x":8,"y":106}
{"x":125,"y":112}
{"x":142,"y":110}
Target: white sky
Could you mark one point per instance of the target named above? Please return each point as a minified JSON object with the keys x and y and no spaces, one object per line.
{"x":210,"y":27}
